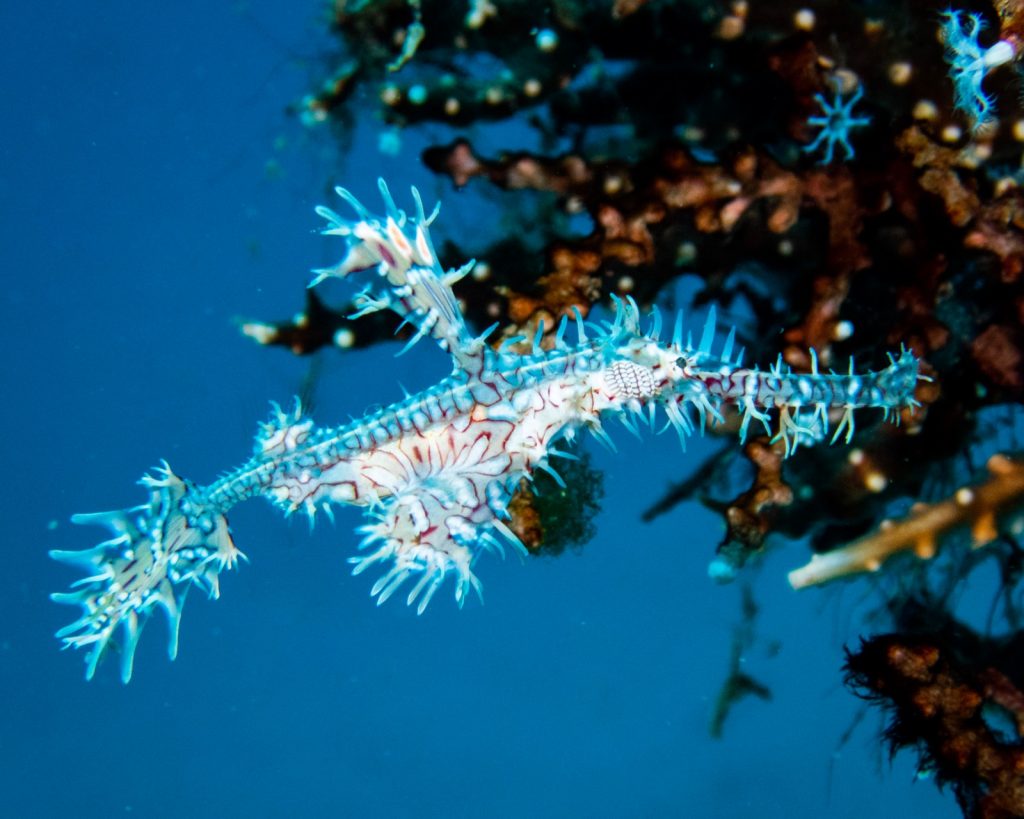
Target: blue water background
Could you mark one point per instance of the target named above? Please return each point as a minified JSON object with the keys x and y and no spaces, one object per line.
{"x":154,"y":188}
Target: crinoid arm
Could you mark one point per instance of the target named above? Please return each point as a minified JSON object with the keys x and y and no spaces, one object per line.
{"x":158,"y":551}
{"x":398,"y":248}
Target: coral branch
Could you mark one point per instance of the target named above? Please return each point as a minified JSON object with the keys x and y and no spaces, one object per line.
{"x":977,"y":507}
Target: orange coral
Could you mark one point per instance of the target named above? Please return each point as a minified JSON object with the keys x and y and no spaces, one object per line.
{"x":936,"y":698}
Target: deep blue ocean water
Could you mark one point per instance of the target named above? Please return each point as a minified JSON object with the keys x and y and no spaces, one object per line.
{"x":153,"y":189}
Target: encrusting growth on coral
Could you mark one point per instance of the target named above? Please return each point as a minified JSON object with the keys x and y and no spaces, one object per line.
{"x":938,"y":699}
{"x":549,"y":516}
